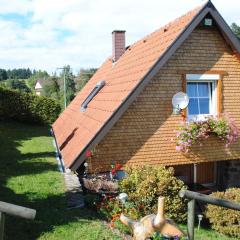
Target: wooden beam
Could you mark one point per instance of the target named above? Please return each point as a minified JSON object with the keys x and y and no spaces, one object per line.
{"x":2,"y":222}
{"x":211,"y":200}
{"x":184,"y":89}
{"x":220,"y":72}
{"x":191,"y":219}
{"x":17,"y":211}
{"x":220,"y":95}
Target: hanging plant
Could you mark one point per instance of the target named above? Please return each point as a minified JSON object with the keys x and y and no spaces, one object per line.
{"x":194,"y":132}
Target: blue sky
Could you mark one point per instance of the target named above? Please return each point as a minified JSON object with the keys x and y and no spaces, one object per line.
{"x":47,"y":34}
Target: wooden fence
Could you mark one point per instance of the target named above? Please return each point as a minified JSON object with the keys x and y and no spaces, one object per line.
{"x":193,"y":196}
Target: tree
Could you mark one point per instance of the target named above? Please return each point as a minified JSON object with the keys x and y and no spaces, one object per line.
{"x":52,"y":88}
{"x":3,"y":74}
{"x":20,"y":73}
{"x":236,"y":29}
{"x":17,"y":84}
{"x":83,"y":77}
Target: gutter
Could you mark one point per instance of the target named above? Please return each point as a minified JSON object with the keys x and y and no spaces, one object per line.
{"x":59,"y":159}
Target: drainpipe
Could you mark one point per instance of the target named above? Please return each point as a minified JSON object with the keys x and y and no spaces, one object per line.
{"x":58,"y":153}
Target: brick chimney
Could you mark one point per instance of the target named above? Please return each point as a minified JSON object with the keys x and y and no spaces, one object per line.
{"x":118,"y":44}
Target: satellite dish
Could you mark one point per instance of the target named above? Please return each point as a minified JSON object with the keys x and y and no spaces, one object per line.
{"x":180,"y":100}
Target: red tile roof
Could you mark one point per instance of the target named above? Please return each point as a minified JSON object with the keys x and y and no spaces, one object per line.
{"x":74,"y":130}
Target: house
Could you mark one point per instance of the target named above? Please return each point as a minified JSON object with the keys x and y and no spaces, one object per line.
{"x":124,"y":113}
{"x":39,"y":86}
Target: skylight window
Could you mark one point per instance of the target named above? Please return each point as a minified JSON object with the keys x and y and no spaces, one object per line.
{"x":92,"y":94}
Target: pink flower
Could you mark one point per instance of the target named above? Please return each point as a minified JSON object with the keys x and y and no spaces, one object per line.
{"x":178,"y":148}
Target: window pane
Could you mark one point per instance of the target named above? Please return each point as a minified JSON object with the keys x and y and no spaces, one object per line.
{"x":203,"y":90}
{"x":192,"y":89}
{"x":204,"y":105}
{"x":193,"y":106}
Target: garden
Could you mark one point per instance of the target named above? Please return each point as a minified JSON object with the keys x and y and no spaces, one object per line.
{"x":136,"y":196}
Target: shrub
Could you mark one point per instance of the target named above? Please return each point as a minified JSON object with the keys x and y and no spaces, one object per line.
{"x":224,"y":220}
{"x":26,"y":107}
{"x":144,"y":184}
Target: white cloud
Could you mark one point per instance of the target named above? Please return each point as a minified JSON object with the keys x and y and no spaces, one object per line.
{"x":41,"y":42}
{"x":15,"y":6}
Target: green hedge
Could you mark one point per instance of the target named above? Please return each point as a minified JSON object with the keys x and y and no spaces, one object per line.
{"x":224,"y":220}
{"x":27,"y":107}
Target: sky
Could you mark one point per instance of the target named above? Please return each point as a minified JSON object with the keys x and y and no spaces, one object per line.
{"x":48,"y":34}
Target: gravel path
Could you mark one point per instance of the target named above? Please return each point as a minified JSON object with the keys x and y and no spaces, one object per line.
{"x":74,"y":191}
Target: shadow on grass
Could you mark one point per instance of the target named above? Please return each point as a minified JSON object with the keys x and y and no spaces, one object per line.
{"x":20,"y":166}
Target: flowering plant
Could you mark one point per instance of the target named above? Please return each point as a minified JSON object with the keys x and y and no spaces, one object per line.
{"x":115,"y":168}
{"x":194,"y":132}
{"x":88,"y":154}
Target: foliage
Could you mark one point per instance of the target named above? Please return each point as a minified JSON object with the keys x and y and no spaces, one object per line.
{"x":236,"y":29}
{"x":17,"y":84}
{"x":29,"y":177}
{"x":144,"y":184}
{"x":52,"y":88}
{"x":224,"y":220}
{"x":3,"y":74}
{"x":194,"y":132}
{"x":20,"y":73}
{"x":83,"y":77}
{"x":26,"y":107}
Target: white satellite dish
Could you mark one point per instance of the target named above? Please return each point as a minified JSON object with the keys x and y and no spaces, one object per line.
{"x":180,"y":101}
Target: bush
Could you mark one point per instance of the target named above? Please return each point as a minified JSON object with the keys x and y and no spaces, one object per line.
{"x":26,"y":107}
{"x":145,"y":184}
{"x":224,"y":220}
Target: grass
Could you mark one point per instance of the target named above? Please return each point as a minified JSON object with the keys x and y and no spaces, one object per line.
{"x":207,"y":234}
{"x":29,"y":177}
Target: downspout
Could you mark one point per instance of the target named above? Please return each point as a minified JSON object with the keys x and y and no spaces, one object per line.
{"x":58,"y":153}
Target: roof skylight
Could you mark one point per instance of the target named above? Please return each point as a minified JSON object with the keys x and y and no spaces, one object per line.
{"x":92,"y":94}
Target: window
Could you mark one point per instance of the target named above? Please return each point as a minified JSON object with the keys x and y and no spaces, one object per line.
{"x":92,"y":94}
{"x":201,"y":90}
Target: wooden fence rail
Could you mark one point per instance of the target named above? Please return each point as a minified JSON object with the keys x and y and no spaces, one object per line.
{"x":13,"y":210}
{"x":193,"y":196}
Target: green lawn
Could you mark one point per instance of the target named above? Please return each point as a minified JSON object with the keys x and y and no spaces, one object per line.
{"x":29,"y":177}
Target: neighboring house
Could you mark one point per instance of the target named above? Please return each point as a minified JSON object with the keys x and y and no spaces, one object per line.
{"x":124,"y":113}
{"x":39,"y":86}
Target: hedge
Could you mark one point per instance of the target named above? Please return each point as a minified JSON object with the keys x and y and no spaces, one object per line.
{"x":224,"y":220}
{"x":26,"y":107}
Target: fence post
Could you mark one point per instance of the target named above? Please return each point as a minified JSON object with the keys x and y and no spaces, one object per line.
{"x":191,"y":219}
{"x":2,"y":222}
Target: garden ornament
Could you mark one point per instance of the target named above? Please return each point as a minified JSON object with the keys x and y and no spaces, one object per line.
{"x":123,"y":197}
{"x":152,"y":223}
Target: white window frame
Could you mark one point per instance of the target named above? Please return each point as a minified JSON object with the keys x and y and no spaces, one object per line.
{"x":211,"y":79}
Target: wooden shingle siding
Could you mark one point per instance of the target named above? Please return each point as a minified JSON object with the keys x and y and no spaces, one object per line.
{"x":143,"y":134}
